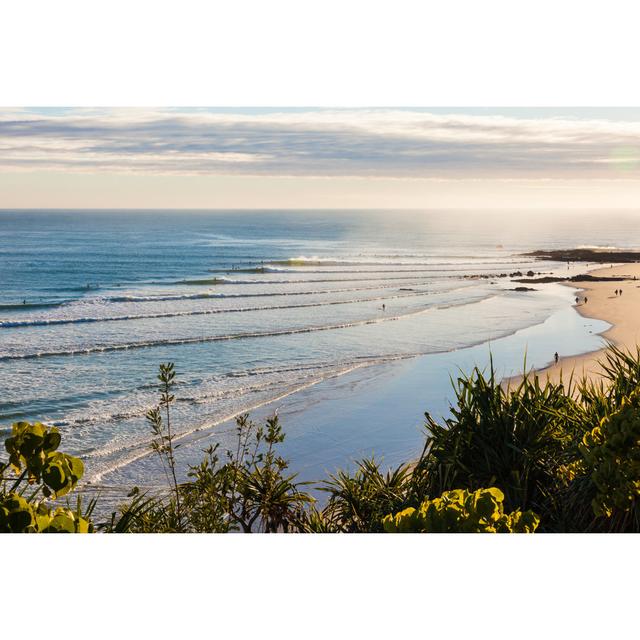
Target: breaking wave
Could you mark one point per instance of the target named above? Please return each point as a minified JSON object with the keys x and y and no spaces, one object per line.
{"x":200,"y":339}
{"x":232,"y":336}
{"x":314,"y":261}
{"x":211,"y":295}
{"x":225,"y":280}
{"x":45,"y":322}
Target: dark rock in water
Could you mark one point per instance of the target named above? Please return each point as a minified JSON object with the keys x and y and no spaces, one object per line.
{"x":586,"y":255}
{"x":544,"y":280}
{"x":583,"y":277}
{"x":523,"y":289}
{"x":530,"y":274}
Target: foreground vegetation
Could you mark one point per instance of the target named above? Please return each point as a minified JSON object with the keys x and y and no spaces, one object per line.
{"x":536,"y":457}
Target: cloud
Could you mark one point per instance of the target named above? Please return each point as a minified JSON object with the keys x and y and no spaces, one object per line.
{"x":353,"y":142}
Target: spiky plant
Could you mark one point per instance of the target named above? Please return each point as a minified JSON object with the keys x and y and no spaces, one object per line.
{"x":358,"y":502}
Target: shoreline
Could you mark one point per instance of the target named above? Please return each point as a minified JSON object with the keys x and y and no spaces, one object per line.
{"x":379,"y":410}
{"x":602,"y":304}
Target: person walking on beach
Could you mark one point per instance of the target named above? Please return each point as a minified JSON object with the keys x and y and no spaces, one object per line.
{"x":585,"y":299}
{"x":384,"y":306}
{"x":556,"y":357}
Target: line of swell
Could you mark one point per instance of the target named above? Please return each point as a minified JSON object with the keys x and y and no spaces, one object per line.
{"x":198,"y":296}
{"x":200,"y":339}
{"x":234,"y":336}
{"x":208,"y":295}
{"x":225,"y":280}
{"x":321,"y":262}
{"x":44,"y":322}
{"x":23,"y":306}
{"x":455,"y":266}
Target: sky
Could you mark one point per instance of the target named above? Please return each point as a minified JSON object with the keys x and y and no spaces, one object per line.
{"x":471,"y":158}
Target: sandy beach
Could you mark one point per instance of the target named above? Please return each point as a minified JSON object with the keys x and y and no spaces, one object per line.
{"x":621,"y":311}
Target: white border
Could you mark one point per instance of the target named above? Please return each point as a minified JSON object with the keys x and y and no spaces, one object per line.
{"x":297,"y":586}
{"x":347,"y":53}
{"x":329,"y":53}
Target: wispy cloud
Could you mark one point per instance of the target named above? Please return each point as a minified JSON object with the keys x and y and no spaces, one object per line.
{"x":375,"y":142}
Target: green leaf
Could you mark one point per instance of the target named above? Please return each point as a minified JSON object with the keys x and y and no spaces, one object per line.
{"x":54,"y":476}
{"x":77,"y":467}
{"x":52,"y":440}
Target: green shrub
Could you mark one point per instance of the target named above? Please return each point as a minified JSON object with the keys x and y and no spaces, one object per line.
{"x":357,"y":502}
{"x":513,"y":439}
{"x":612,"y":458}
{"x":461,"y":511}
{"x":558,"y":458}
{"x":250,"y":490}
{"x":36,"y":466}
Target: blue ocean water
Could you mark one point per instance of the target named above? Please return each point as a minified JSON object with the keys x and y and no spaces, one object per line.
{"x":257,"y":306}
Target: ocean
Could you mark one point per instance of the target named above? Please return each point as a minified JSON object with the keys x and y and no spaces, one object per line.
{"x":348,"y":323}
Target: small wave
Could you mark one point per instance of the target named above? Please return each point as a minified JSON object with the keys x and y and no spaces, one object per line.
{"x":438,"y":269}
{"x":46,"y":322}
{"x":352,"y":267}
{"x":205,"y":398}
{"x":300,"y":271}
{"x":239,"y":336}
{"x":211,"y":295}
{"x":201,"y":339}
{"x":314,"y":261}
{"x":223,"y":280}
{"x":20,"y":306}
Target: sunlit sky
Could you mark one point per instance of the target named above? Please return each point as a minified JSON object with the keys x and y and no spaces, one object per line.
{"x":320,"y":158}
